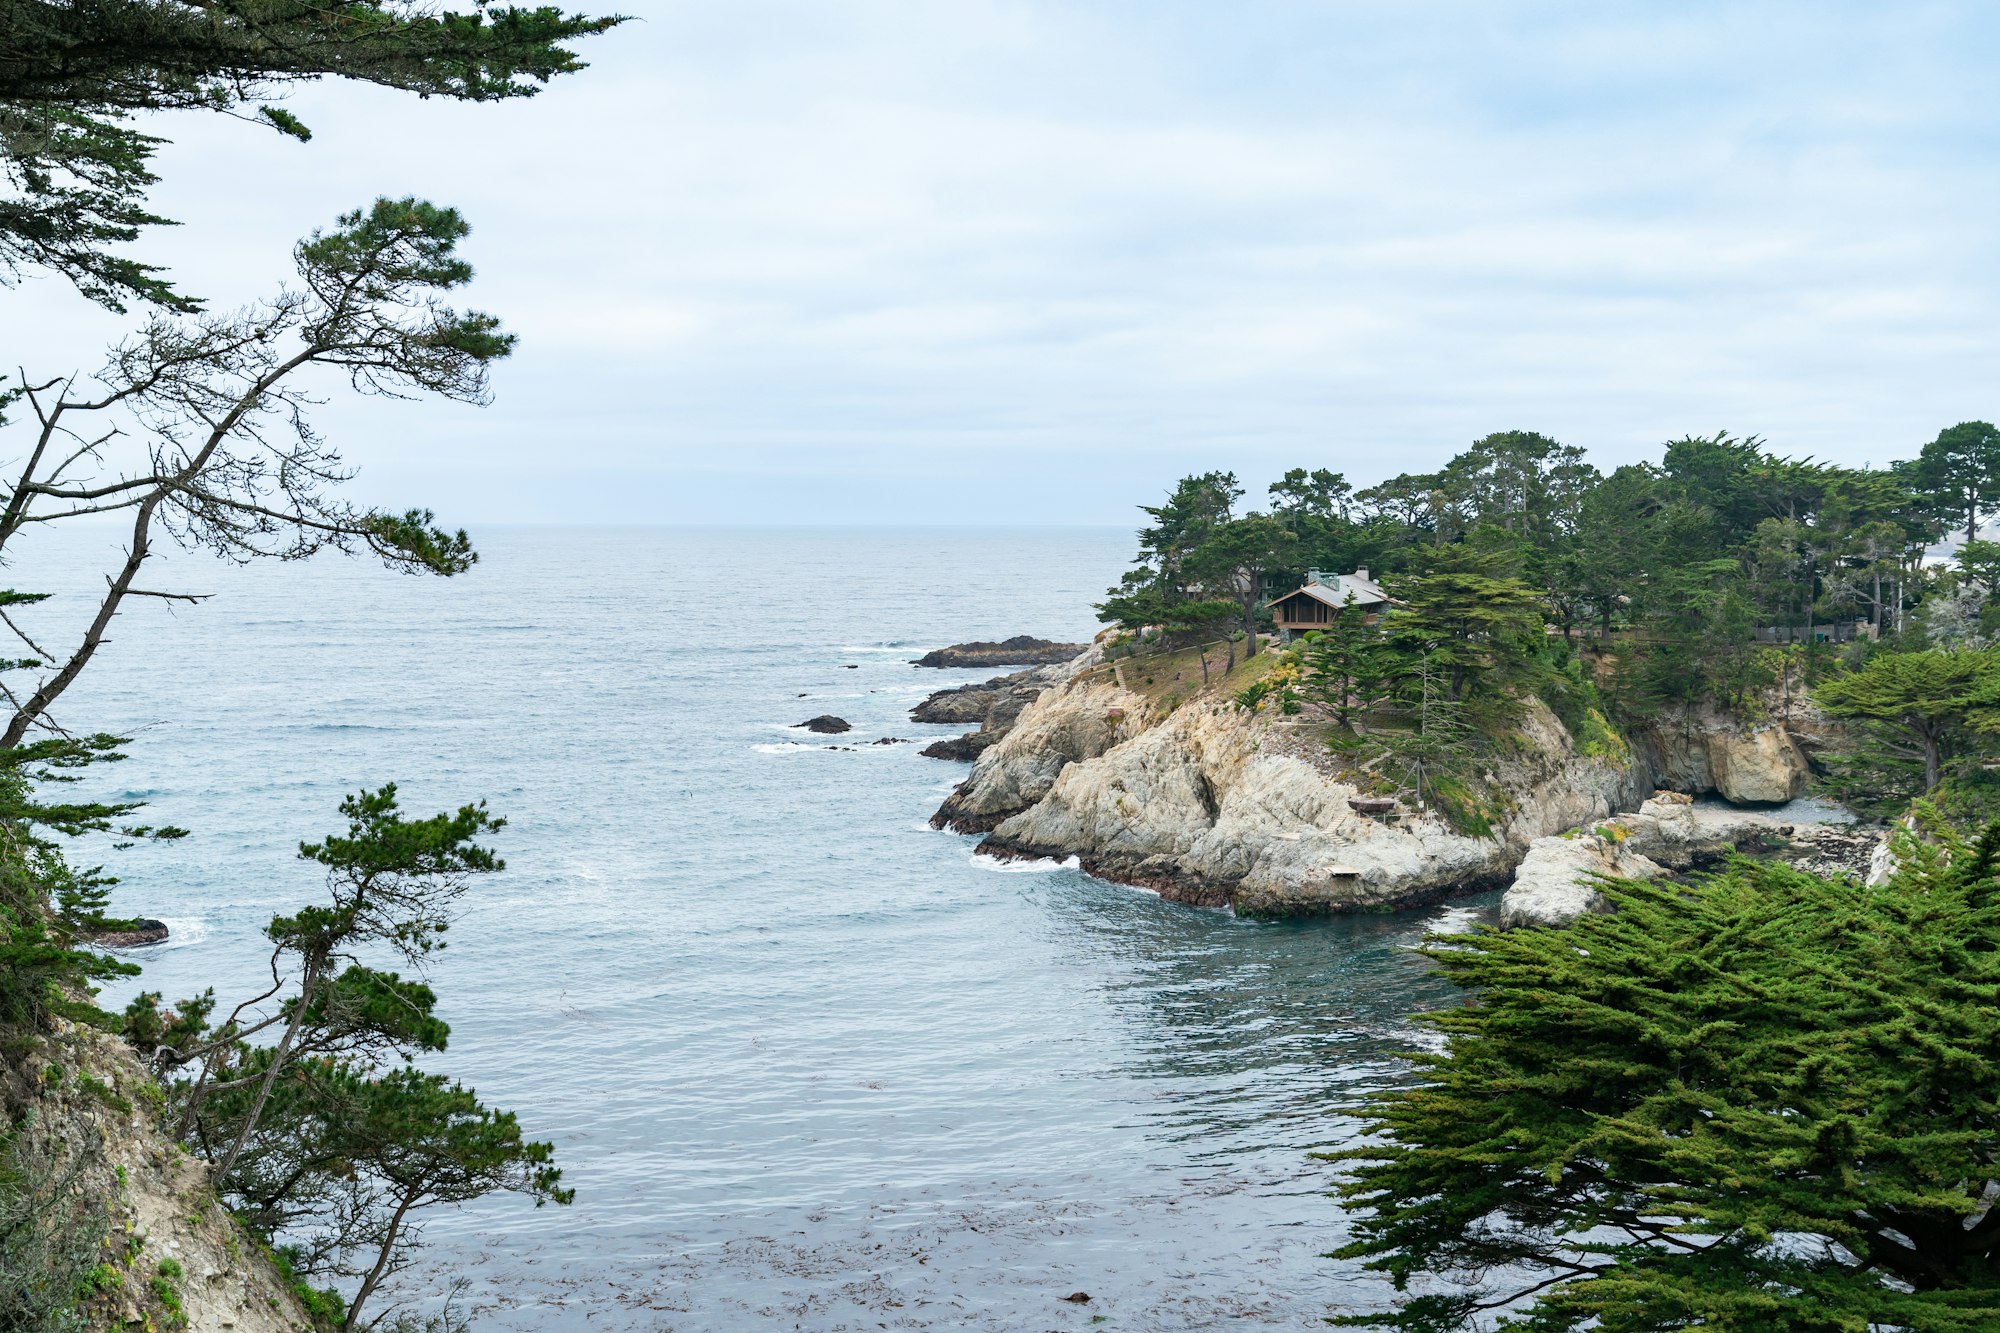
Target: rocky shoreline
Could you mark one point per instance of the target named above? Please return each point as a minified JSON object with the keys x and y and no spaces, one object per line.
{"x":1214,"y":805}
{"x":995,"y":705}
{"x":142,"y":931}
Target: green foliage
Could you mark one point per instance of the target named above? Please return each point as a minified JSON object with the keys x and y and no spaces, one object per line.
{"x":328,"y":1140}
{"x":321,"y":1304}
{"x":1466,"y":614}
{"x":48,"y":909}
{"x":1961,"y":469}
{"x":1703,"y":645}
{"x":1566,"y":685}
{"x":224,"y":454}
{"x":1918,"y":707}
{"x":1460,"y":806}
{"x":1762,"y":1101}
{"x":51,"y":1237}
{"x":1349,"y":667}
{"x":72,"y":76}
{"x":1678,"y":570}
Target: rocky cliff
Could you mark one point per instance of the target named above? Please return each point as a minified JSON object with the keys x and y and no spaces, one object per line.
{"x":170,"y":1256}
{"x":995,"y":705}
{"x":1209,"y":803}
{"x":1703,"y":750}
{"x":1213,"y":804}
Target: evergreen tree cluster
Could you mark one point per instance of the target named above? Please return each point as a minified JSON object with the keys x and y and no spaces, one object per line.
{"x":1518,"y":569}
{"x":1764,"y":1101}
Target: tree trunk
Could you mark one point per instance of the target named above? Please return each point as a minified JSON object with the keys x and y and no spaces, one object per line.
{"x":284,"y":1048}
{"x":382,"y":1258}
{"x":1933,"y":761}
{"x":1810,"y":599}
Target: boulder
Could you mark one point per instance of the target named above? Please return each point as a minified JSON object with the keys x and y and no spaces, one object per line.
{"x":1556,"y":881}
{"x":1761,"y":767}
{"x":961,"y":749}
{"x":1704,"y":749}
{"x":1554,"y":885}
{"x":826,"y":724}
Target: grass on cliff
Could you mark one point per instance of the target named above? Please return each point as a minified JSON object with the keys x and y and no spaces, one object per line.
{"x":1170,"y":679}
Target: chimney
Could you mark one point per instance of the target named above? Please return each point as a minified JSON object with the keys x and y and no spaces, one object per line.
{"x":1362,"y":574}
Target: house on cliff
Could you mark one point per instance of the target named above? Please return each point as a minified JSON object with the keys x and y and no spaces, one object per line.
{"x":1324,"y":599}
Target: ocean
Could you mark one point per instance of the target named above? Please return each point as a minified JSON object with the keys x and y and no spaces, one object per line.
{"x":808,"y":1063}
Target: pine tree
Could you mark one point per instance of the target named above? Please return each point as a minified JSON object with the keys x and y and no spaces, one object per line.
{"x":1346,"y":665}
{"x":73,"y":74}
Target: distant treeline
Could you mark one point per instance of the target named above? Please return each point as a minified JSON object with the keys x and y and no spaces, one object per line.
{"x":1686,"y":563}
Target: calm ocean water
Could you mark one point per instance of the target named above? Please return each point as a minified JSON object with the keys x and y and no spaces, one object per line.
{"x":808,"y":1064}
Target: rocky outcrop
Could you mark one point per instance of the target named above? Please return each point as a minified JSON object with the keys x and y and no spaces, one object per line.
{"x":826,"y":724}
{"x":1084,"y":714}
{"x":1704,"y":750}
{"x":1213,"y":805}
{"x":995,"y":705}
{"x":1021,"y":650}
{"x":1556,"y":881}
{"x":131,"y":934}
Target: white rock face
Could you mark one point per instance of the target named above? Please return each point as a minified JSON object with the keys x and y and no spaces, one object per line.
{"x":1704,"y":750}
{"x":1084,"y":715}
{"x":1196,"y":807}
{"x":1555,"y":882}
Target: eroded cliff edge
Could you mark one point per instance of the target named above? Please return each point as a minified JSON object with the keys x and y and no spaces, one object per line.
{"x":1213,"y":804}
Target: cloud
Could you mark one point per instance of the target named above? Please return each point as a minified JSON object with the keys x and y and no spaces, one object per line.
{"x":860,"y":262}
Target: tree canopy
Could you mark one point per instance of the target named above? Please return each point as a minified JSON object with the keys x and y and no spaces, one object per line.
{"x":1930,"y":701}
{"x":74,"y":74}
{"x":1763,"y":1101}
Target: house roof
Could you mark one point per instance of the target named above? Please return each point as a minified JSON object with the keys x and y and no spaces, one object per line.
{"x":1343,"y":590}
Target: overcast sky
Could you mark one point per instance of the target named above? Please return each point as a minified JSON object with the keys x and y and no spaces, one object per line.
{"x":945,"y":260}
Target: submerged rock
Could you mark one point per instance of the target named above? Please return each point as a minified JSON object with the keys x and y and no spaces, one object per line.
{"x":1021,"y":650}
{"x":826,"y":724}
{"x":961,"y":749}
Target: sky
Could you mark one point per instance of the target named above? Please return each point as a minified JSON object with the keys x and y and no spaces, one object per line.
{"x":965,"y":261}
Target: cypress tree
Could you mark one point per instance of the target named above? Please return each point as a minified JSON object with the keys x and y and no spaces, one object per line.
{"x":1768,"y":1100}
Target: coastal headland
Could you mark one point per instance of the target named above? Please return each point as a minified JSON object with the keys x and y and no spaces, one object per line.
{"x":1152,"y":773}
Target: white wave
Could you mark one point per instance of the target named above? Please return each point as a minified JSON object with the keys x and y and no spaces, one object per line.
{"x":851,"y":648}
{"x":181,"y":931}
{"x":788,"y":747}
{"x":1039,"y":865}
{"x":1453,"y":921}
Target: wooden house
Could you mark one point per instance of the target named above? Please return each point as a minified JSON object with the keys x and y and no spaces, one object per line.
{"x":1324,"y":599}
